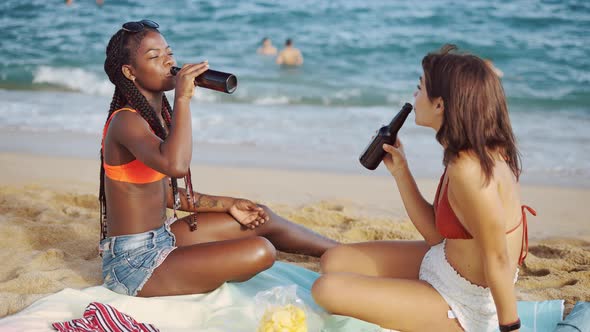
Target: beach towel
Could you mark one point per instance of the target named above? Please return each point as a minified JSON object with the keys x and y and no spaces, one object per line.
{"x":578,"y":320}
{"x":540,"y":316}
{"x":230,"y":308}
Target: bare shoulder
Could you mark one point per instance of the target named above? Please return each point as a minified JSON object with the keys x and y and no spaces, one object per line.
{"x":466,"y":170}
{"x":475,"y":203}
{"x":126,"y":118}
{"x":128,"y":123}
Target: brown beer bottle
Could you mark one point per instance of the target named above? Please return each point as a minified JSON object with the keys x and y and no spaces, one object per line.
{"x":374,"y":153}
{"x":214,"y":80}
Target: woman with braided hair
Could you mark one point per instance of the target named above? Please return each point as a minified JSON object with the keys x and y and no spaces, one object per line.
{"x":147,"y":144}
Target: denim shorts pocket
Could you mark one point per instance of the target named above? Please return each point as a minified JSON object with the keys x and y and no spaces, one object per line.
{"x":141,"y":260}
{"x":111,"y":282}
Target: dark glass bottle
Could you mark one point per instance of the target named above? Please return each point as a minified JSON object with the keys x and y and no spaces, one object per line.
{"x":214,"y":80}
{"x":374,"y":153}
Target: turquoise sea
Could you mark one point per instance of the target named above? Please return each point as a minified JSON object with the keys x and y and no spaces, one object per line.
{"x":362,"y":62}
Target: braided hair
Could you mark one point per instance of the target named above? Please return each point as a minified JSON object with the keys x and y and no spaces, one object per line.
{"x":119,"y":52}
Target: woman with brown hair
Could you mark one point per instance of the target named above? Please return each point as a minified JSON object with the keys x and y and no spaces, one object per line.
{"x":462,"y":276}
{"x":147,"y":144}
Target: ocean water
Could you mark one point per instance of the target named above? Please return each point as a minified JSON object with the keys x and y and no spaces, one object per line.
{"x":362,"y":62}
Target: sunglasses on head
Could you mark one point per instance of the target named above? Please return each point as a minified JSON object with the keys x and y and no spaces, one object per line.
{"x":139,"y":25}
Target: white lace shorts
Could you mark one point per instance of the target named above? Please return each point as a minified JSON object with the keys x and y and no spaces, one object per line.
{"x":471,"y":304}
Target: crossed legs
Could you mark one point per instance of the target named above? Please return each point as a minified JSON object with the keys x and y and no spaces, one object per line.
{"x":222,"y":250}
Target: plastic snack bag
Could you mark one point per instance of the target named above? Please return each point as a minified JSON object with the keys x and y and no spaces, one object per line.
{"x":280,"y":310}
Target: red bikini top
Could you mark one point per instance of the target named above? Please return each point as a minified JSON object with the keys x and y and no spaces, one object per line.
{"x":449,"y":226}
{"x":134,"y":171}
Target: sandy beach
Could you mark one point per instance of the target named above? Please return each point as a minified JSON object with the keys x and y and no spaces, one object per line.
{"x":49,"y":222}
{"x":290,"y":136}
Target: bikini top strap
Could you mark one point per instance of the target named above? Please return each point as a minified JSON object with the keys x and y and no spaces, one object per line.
{"x":106,"y":126}
{"x":525,"y":236}
{"x":437,"y":196}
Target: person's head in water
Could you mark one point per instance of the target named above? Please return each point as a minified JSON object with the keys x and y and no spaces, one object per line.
{"x":290,"y":55}
{"x":138,"y":62}
{"x":266,"y":47}
{"x":461,"y":97}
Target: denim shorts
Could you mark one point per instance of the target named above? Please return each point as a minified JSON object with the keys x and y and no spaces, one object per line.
{"x":128,"y":261}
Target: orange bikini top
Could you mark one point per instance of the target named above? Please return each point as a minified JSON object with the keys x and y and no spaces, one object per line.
{"x":132,"y":172}
{"x":449,"y":226}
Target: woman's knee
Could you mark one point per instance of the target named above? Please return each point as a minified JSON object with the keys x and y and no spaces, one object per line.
{"x":267,"y":210}
{"x":271,"y":225}
{"x":260,"y":255}
{"x":332,"y":260}
{"x":324,"y":289}
{"x":262,"y":252}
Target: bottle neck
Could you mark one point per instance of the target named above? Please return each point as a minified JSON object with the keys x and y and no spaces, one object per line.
{"x":398,"y":120}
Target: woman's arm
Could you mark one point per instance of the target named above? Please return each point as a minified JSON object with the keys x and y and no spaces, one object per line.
{"x":419,"y":210}
{"x":171,"y":156}
{"x":244,"y":211}
{"x":204,"y":203}
{"x":480,"y":210}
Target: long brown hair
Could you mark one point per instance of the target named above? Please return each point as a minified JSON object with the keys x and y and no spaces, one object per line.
{"x":120,"y":50}
{"x":476,"y":116}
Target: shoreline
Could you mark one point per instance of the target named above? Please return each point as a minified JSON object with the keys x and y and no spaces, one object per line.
{"x":69,"y":144}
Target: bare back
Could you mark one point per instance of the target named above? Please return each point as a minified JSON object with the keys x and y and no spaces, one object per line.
{"x":290,"y":56}
{"x":465,"y":255}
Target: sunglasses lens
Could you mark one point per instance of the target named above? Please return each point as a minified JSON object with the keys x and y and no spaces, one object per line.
{"x":150,"y":24}
{"x":133,"y":26}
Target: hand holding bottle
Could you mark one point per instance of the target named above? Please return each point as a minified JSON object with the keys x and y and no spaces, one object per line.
{"x":395,"y":157}
{"x":214,"y":80}
{"x":373,"y":153}
{"x":185,"y":78}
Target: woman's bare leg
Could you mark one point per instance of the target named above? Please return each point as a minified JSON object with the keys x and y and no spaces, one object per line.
{"x":400,"y":304}
{"x":221,"y":250}
{"x":201,"y":268}
{"x":293,"y":238}
{"x":378,"y":282}
{"x":283,"y":234}
{"x":392,"y":259}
